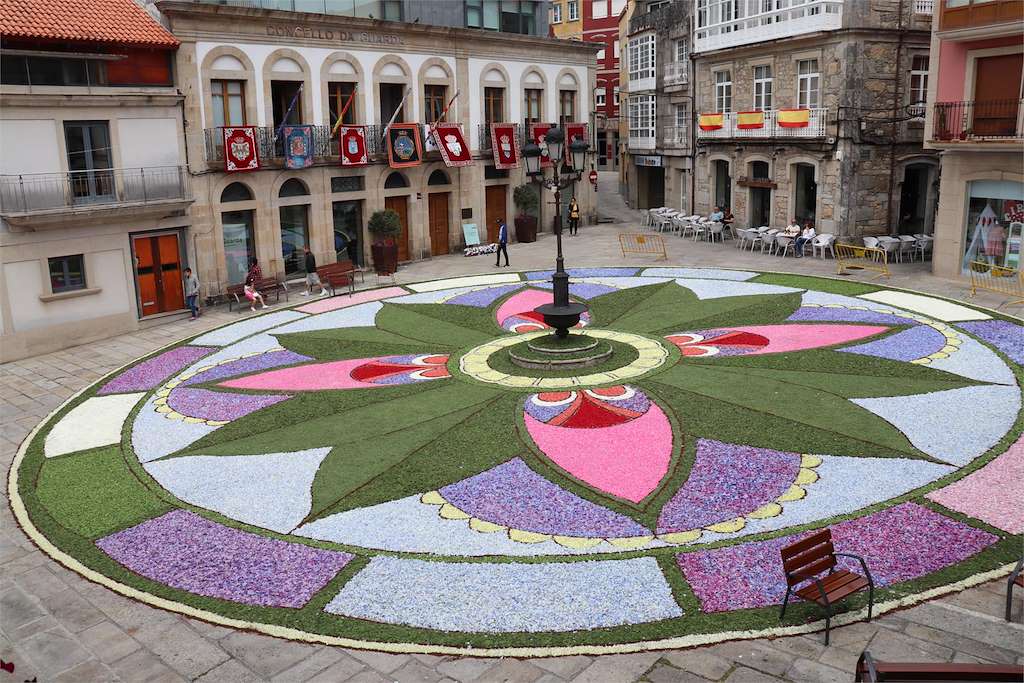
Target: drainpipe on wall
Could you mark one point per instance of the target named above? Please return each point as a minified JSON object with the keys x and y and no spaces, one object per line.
{"x":896,"y":124}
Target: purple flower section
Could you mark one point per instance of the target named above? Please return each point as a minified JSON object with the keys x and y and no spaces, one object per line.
{"x":727,"y":481}
{"x":151,"y":373}
{"x":186,"y":551}
{"x":898,"y":544}
{"x":583,"y":290}
{"x":244,"y":366}
{"x":847,"y":315}
{"x":584,"y":272}
{"x":483,"y":298}
{"x":908,"y":345}
{"x":514,"y":495}
{"x":218,"y":405}
{"x":1004,"y":335}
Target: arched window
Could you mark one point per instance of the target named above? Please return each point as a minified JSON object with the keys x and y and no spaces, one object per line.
{"x":235,"y":192}
{"x":438,"y":177}
{"x":395,"y":181}
{"x":293,"y":188}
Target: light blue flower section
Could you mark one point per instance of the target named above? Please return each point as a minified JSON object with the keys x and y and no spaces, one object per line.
{"x":408,"y":525}
{"x":272,"y":491}
{"x":435,"y":297}
{"x":975,"y":361}
{"x":154,"y":436}
{"x":508,"y":597}
{"x":717,"y":289}
{"x":623,"y":282}
{"x":955,"y":426}
{"x":259,"y":343}
{"x":707,"y":273}
{"x":826,"y":298}
{"x":250,"y":326}
{"x":361,"y":315}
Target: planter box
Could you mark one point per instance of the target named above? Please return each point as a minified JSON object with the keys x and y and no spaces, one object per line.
{"x":385,"y":258}
{"x":526,"y":229}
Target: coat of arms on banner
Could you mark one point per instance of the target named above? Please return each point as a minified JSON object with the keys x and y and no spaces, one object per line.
{"x":404,"y":147}
{"x":240,"y":151}
{"x":298,"y":146}
{"x":505,"y":145}
{"x":573,"y":131}
{"x":452,"y":144}
{"x":537,"y":133}
{"x":352,"y":144}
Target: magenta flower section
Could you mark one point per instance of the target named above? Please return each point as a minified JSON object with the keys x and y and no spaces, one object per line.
{"x":150,"y":374}
{"x":988,"y":493}
{"x":898,"y":544}
{"x":243,"y":366}
{"x":186,"y":551}
{"x":514,"y":495}
{"x":217,"y":405}
{"x":727,"y":481}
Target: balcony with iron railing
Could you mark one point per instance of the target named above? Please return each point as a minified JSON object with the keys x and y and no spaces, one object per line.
{"x":816,"y":127}
{"x":789,"y":18}
{"x":483,"y":136}
{"x":662,"y":18}
{"x":39,"y":197}
{"x":676,"y":73}
{"x":271,"y":149}
{"x":990,"y":121}
{"x":966,"y":14}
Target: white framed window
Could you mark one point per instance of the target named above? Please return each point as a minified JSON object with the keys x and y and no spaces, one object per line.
{"x":918,"y":84}
{"x":600,"y":9}
{"x":615,"y":48}
{"x":556,"y":13}
{"x":808,"y":84}
{"x":641,"y":57}
{"x":599,"y":97}
{"x":682,"y":116}
{"x":616,"y":96}
{"x":723,"y":91}
{"x":642,"y":110}
{"x":573,"y":9}
{"x":617,"y":7}
{"x":682,"y":51}
{"x":763,"y":87}
{"x":600,"y":54}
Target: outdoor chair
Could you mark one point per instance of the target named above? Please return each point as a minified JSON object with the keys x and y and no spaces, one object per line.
{"x":804,"y":562}
{"x":663,"y":220}
{"x":1016,"y":579}
{"x":784,"y":244}
{"x":768,"y":240}
{"x":716,"y":229}
{"x":742,"y":237}
{"x":823,"y":242}
{"x":699,"y":231}
{"x":923,"y":246}
{"x":872,"y":243}
{"x":754,"y":237}
{"x":907,"y":247}
{"x":680,"y":224}
{"x":891,"y":247}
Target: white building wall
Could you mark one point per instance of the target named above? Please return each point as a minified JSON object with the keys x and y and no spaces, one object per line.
{"x":145,"y":142}
{"x":29,"y":146}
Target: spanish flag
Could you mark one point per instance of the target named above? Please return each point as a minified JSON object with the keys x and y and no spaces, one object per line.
{"x":711,"y":121}
{"x":748,"y":120}
{"x":794,"y":118}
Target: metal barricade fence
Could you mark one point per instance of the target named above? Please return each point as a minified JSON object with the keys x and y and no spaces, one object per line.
{"x":999,"y":279}
{"x":853,"y":257}
{"x":642,"y":243}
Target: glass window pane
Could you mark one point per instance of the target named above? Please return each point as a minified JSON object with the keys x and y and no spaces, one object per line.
{"x":492,"y":16}
{"x":294,"y":236}
{"x":236,"y":111}
{"x":45,"y":71}
{"x":218,"y":111}
{"x":347,"y":229}
{"x":239,"y":243}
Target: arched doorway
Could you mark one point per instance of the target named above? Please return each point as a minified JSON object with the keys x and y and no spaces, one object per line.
{"x":437,"y":209}
{"x":805,"y":193}
{"x":760,"y":197}
{"x":399,"y":203}
{"x":238,"y":231}
{"x":914,"y":199}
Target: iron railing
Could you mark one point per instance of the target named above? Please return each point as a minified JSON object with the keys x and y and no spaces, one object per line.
{"x":815,"y":128}
{"x":483,"y":136}
{"x":270,"y":148}
{"x":112,"y":186}
{"x":676,"y":137}
{"x":985,"y":120}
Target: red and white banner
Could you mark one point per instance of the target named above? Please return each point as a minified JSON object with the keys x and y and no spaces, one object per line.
{"x":537,"y":133}
{"x":452,"y":144}
{"x":352,"y":145}
{"x":573,"y":131}
{"x":240,"y":152}
{"x":505,"y":145}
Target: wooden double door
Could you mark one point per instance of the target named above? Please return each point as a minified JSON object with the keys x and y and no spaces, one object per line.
{"x":438,"y":220}
{"x":400,"y":205}
{"x":496,"y":198}
{"x":158,"y":273}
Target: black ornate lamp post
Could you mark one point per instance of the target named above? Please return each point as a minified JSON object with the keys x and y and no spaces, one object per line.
{"x":562,"y":314}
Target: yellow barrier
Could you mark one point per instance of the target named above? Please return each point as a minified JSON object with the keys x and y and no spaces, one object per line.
{"x":852,"y":257}
{"x":998,"y":279}
{"x":642,"y":243}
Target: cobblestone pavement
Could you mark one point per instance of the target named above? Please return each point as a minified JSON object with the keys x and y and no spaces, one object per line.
{"x":57,"y":626}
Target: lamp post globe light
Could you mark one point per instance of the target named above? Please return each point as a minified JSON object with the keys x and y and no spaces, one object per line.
{"x":562,"y":314}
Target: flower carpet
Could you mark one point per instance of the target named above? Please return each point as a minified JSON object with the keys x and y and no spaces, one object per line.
{"x":367,"y":470}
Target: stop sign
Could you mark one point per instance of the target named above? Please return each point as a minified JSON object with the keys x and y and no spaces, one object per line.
{"x":593,"y":177}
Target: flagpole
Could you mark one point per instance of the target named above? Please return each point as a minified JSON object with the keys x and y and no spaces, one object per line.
{"x":344,"y":109}
{"x":408,"y":91}
{"x":433,"y":126}
{"x":295,"y":98}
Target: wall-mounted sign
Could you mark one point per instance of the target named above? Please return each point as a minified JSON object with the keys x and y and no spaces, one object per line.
{"x":647,"y":160}
{"x":300,"y":31}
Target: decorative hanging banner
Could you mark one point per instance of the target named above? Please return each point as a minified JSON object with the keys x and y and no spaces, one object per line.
{"x":711,"y":121}
{"x":240,"y":152}
{"x":794,"y":118}
{"x":352,"y":145}
{"x":452,"y":144}
{"x":298,"y":146}
{"x":750,"y":120}
{"x":404,"y":147}
{"x":537,"y":133}
{"x":573,"y":131}
{"x":505,"y":145}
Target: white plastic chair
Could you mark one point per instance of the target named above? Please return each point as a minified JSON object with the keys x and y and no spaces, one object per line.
{"x":908,"y":246}
{"x":891,"y":247}
{"x":923,"y":246}
{"x":786,"y":244}
{"x":699,"y":230}
{"x":718,"y":229}
{"x":768,"y":240}
{"x":821,"y":243}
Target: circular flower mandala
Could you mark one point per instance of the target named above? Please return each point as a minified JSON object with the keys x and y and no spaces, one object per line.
{"x":370,"y":471}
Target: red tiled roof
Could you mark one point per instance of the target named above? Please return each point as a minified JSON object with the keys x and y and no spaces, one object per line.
{"x":88,"y":21}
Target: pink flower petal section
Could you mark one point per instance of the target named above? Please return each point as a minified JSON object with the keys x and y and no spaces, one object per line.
{"x":336,"y":302}
{"x":526,"y":300}
{"x":626,"y":460}
{"x":783,"y":338}
{"x":988,"y":494}
{"x":338,"y":374}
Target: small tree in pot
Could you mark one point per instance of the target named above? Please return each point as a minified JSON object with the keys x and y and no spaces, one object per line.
{"x":525,"y":199}
{"x":385,"y":226}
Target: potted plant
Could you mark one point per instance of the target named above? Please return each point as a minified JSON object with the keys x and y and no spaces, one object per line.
{"x":525,"y":199}
{"x":385,"y":225}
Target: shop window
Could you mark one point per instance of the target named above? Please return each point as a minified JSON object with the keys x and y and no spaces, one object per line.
{"x":239,"y":241}
{"x":294,"y":236}
{"x":995,"y":218}
{"x":347,"y":229}
{"x":67,"y":273}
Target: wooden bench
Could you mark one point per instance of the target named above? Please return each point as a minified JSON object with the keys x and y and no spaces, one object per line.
{"x":337,"y":275}
{"x":265,"y":286}
{"x":642,"y":243}
{"x":805,"y":561}
{"x":871,"y":671}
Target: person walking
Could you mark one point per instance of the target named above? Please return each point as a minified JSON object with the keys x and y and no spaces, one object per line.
{"x":312,"y":277}
{"x":502,"y":243}
{"x":192,"y":292}
{"x":574,"y":216}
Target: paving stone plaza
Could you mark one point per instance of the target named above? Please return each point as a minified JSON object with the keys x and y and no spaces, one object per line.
{"x":59,"y":624}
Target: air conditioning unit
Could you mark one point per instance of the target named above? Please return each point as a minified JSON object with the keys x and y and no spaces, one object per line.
{"x":830,"y":140}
